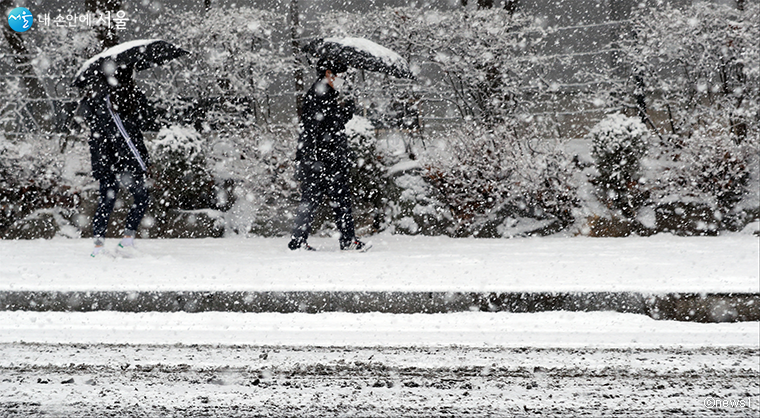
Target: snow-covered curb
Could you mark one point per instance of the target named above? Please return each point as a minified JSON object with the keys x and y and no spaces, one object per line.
{"x":471,"y":329}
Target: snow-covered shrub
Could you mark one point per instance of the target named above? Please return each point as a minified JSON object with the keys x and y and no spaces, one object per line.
{"x":618,"y":143}
{"x":414,"y":205}
{"x":704,"y":183}
{"x":369,"y":183}
{"x":44,"y":164}
{"x":257,"y":171}
{"x":499,"y":184}
{"x":222,"y":84}
{"x":699,"y":70}
{"x":39,"y":197}
{"x":181,"y":178}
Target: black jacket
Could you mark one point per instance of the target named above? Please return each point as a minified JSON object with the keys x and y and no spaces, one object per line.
{"x":110,"y":151}
{"x":323,"y":122}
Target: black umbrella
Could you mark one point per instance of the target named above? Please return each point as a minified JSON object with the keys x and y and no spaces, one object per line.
{"x":133,"y":55}
{"x":360,"y":53}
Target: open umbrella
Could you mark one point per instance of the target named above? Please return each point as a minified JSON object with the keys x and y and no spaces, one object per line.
{"x":360,"y":53}
{"x":136,"y":55}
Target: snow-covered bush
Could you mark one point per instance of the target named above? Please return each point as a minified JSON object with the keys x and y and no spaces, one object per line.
{"x":414,"y":204}
{"x":222,"y":84}
{"x":257,"y":170}
{"x":39,"y":196}
{"x":369,"y":182}
{"x":704,"y":183}
{"x":700,"y":72}
{"x":479,"y":58}
{"x":43,"y":163}
{"x":181,"y":178}
{"x":618,"y":143}
{"x":496,"y":184}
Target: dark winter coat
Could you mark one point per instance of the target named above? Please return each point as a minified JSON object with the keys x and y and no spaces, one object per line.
{"x":323,"y":122}
{"x":110,"y":151}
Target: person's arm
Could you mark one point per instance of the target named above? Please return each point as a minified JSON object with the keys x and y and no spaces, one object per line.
{"x":100,"y":152}
{"x":346,"y":109}
{"x":146,"y":114}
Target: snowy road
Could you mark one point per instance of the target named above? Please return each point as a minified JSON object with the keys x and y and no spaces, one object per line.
{"x":223,"y":364}
{"x":244,"y":381}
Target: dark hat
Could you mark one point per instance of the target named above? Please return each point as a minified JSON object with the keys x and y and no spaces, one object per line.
{"x":333,"y":65}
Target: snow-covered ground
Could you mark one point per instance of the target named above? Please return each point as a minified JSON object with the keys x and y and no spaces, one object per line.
{"x":468,"y":329}
{"x":662,"y":263}
{"x":275,"y":381}
{"x":121,"y":364}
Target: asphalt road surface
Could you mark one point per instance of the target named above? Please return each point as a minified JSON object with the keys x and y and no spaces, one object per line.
{"x":52,"y":380}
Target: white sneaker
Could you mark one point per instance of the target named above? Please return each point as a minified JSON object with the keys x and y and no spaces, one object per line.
{"x":99,"y":251}
{"x":126,"y":248}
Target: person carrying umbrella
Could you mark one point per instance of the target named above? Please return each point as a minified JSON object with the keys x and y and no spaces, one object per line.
{"x":117,"y":116}
{"x":322,"y":158}
{"x":117,"y":112}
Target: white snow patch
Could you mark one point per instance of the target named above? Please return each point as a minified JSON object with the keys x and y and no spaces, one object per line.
{"x":657,"y":264}
{"x":468,"y":329}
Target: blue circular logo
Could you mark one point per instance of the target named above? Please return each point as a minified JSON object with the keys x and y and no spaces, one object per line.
{"x":20,"y":19}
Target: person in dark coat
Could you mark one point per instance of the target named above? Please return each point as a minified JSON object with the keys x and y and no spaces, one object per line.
{"x":322,"y":159}
{"x":117,"y":113}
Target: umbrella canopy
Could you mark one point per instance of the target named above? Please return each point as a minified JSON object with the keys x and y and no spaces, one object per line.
{"x":360,"y":53}
{"x":133,"y":55}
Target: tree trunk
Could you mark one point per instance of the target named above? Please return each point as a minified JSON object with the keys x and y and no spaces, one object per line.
{"x":295,"y":33}
{"x":107,"y":36}
{"x":38,"y":106}
{"x":641,"y":98}
{"x":740,"y":5}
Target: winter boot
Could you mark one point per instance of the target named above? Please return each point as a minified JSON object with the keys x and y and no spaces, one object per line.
{"x":296,"y":244}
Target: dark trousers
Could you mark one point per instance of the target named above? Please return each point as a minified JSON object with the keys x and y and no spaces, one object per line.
{"x":318,"y":181}
{"x":109,"y":189}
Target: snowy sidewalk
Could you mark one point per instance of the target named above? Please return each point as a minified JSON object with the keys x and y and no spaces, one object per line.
{"x":658,"y":264}
{"x":697,"y":278}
